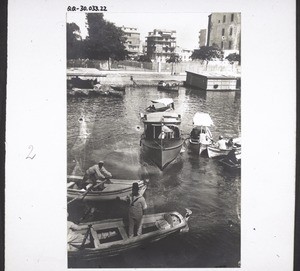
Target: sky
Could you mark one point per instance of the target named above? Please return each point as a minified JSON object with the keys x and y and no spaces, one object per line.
{"x":187,"y":25}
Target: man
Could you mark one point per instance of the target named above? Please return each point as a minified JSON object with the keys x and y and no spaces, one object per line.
{"x":137,"y":206}
{"x":96,"y":173}
{"x":75,"y":237}
{"x":221,"y":143}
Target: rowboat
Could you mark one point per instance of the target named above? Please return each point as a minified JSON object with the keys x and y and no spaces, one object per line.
{"x":160,"y":105}
{"x":161,"y":140}
{"x":169,"y":85}
{"x":118,"y":88}
{"x":112,"y":189}
{"x":109,"y":237}
{"x":232,"y":161}
{"x":200,"y":136}
{"x":214,"y":151}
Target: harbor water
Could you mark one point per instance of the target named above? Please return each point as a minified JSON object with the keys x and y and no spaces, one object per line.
{"x":109,"y":129}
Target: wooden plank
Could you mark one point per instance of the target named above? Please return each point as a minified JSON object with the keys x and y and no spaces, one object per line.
{"x":123,"y":233}
{"x":70,"y":184}
{"x":108,"y":225}
{"x":95,"y":237}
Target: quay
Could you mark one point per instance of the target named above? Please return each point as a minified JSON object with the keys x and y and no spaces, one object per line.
{"x":124,"y":78}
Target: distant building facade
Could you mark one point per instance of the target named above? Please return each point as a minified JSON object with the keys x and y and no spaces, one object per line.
{"x":184,"y":54}
{"x":133,"y":42}
{"x":202,"y":38}
{"x":224,"y":30}
{"x":161,"y":44}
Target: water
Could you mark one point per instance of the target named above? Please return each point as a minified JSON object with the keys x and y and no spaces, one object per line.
{"x":110,"y":130}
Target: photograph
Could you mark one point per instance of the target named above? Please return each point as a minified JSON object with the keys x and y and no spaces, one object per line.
{"x":126,"y":121}
{"x":153,"y":139}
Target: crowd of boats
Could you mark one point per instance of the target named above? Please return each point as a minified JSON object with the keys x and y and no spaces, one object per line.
{"x":161,"y":142}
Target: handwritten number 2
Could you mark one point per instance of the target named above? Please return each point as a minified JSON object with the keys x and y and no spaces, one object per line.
{"x":30,"y":153}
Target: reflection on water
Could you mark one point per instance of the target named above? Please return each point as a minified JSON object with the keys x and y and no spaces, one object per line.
{"x":110,"y":130}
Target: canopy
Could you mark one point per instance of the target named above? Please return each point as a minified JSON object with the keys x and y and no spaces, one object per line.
{"x":202,"y":119}
{"x":164,"y":101}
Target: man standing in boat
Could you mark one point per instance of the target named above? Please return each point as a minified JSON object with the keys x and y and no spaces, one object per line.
{"x":221,"y":143}
{"x":96,"y":173}
{"x":137,"y":206}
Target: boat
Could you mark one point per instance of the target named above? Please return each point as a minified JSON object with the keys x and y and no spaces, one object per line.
{"x":78,"y":92}
{"x":109,"y":237}
{"x":112,"y":189}
{"x":200,"y":136}
{"x":164,"y":104}
{"x":232,"y":161}
{"x":170,"y":85}
{"x":214,"y":151}
{"x":118,"y":88}
{"x":161,"y":140}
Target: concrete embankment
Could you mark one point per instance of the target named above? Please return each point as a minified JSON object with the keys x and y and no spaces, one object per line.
{"x":140,"y":79}
{"x":126,"y":78}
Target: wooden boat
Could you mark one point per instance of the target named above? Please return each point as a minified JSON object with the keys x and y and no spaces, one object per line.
{"x":169,"y":85}
{"x":118,"y":88}
{"x":200,"y":136}
{"x":160,"y":105}
{"x":112,"y":189}
{"x":232,"y":161}
{"x":78,"y":92}
{"x":214,"y":151}
{"x":161,"y":140}
{"x":109,"y":237}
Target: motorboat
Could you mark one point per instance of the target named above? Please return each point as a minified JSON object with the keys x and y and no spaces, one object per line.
{"x":111,"y":189}
{"x":159,"y":105}
{"x":109,"y":237}
{"x":161,"y":140}
{"x":200,"y":136}
{"x":170,"y":85}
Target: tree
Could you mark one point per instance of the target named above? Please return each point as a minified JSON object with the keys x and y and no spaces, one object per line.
{"x":208,"y":53}
{"x":233,"y":57}
{"x":104,"y":40}
{"x":174,"y":58}
{"x":74,"y":41}
{"x":144,"y":58}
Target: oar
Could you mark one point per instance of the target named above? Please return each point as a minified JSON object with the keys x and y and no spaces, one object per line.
{"x":85,"y":237}
{"x":85,"y":193}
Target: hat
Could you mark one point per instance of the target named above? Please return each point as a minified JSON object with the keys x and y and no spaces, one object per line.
{"x":100,"y":162}
{"x":135,"y":186}
{"x":220,"y":137}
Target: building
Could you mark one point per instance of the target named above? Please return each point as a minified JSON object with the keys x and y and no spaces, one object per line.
{"x":224,"y":30}
{"x":161,"y":44}
{"x":184,"y":54}
{"x":133,"y":42}
{"x":202,"y":38}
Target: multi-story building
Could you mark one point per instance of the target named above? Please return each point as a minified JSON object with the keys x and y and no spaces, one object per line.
{"x":184,"y":54}
{"x":202,"y":38}
{"x":161,"y":44}
{"x":133,"y":41}
{"x":224,"y":30}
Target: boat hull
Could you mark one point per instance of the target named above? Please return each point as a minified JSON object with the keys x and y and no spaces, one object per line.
{"x":163,"y":154}
{"x":197,"y":147}
{"x":216,"y":152}
{"x":118,"y":188}
{"x":101,"y":249}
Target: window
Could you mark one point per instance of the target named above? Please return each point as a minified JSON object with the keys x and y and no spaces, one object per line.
{"x":230,"y":44}
{"x":223,"y":31}
{"x":230,"y":32}
{"x":224,"y":18}
{"x":222,"y":45}
{"x":219,"y":21}
{"x":232,"y":17}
